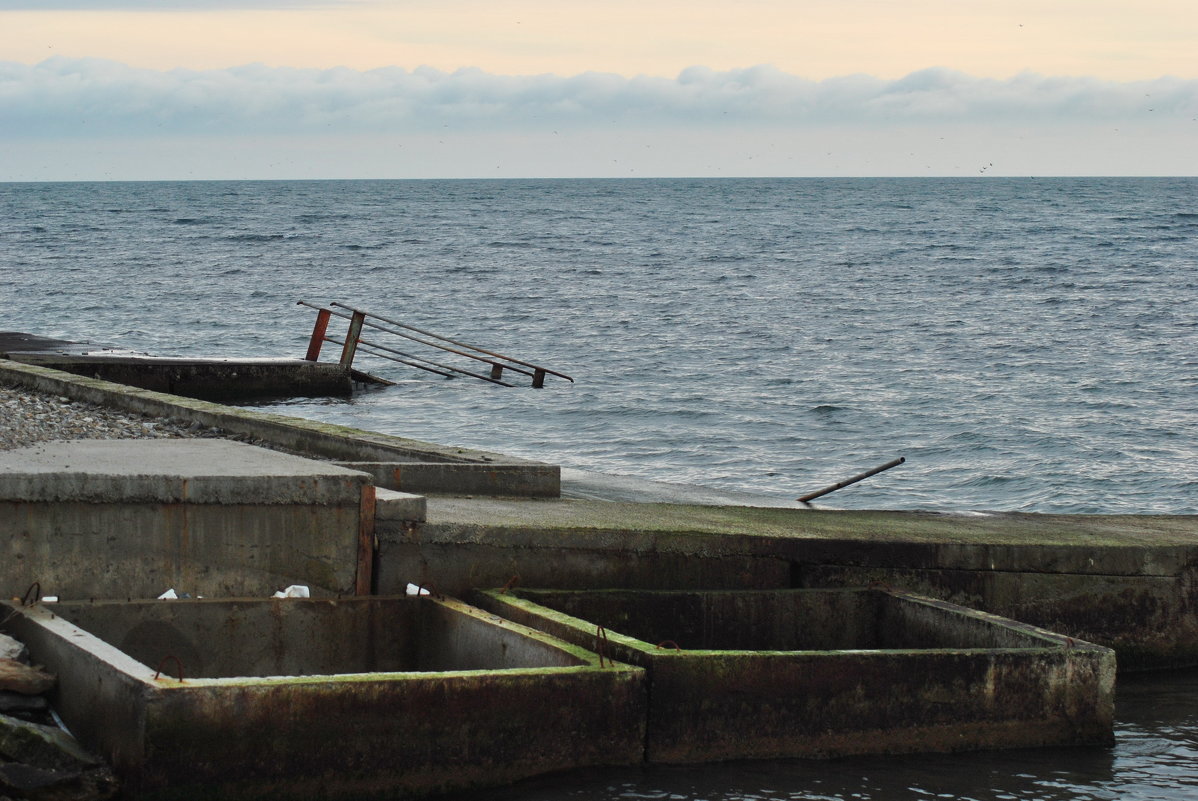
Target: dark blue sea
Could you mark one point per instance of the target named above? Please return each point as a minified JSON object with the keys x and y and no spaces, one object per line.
{"x":1026,"y":344}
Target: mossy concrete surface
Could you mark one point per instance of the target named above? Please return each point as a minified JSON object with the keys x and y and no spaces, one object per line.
{"x":324,"y":699}
{"x":822,"y":673}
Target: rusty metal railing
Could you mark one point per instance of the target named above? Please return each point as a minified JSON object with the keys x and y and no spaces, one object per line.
{"x":353,"y":342}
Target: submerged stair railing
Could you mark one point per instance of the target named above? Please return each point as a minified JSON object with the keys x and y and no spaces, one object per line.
{"x":353,"y":342}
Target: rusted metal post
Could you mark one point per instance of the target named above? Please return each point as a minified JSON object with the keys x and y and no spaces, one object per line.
{"x":496,"y":371}
{"x":351,"y":339}
{"x":853,"y":480}
{"x":318,"y":332}
{"x":538,"y":378}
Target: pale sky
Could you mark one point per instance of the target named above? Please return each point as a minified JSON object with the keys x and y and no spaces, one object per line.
{"x":526,"y":88}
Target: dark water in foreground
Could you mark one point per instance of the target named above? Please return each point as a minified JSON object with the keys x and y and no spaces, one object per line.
{"x":1026,"y":344}
{"x":1155,"y":758}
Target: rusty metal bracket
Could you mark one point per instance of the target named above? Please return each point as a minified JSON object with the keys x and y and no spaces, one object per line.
{"x":165,"y":659}
{"x":37,"y":596}
{"x":601,"y":645}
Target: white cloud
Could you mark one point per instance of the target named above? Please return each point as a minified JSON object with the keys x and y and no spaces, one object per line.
{"x":162,"y":5}
{"x":87,"y":97}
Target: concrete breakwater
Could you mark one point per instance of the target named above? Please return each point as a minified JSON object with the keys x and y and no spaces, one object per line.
{"x":483,"y":521}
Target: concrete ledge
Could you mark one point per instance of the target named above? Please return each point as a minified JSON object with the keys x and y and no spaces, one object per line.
{"x":459,"y":478}
{"x":307,"y":437}
{"x":393,"y":506}
{"x":206,"y":471}
{"x":208,"y":379}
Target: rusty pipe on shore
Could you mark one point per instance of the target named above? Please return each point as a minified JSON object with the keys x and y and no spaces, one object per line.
{"x":860,"y":477}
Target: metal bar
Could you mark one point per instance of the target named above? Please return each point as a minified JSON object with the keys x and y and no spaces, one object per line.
{"x":368,"y":346}
{"x":459,"y":344}
{"x":351,"y":339}
{"x":853,"y":480}
{"x":318,"y":332}
{"x":387,"y":330}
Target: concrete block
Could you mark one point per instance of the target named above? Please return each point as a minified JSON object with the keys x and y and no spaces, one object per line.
{"x":131,"y":518}
{"x":391,"y":506}
{"x":825,"y":673}
{"x":322,"y":699}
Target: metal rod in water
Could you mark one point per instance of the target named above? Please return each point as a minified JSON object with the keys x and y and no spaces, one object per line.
{"x":853,"y":480}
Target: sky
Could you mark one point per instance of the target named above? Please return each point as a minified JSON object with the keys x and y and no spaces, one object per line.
{"x":218,"y":89}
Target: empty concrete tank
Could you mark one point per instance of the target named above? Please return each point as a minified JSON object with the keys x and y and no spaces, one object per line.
{"x":319,"y":698}
{"x":822,"y":673}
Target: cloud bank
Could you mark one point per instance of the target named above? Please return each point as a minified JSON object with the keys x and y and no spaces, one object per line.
{"x":162,"y":5}
{"x":65,"y":98}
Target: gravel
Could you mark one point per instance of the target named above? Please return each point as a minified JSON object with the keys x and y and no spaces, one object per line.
{"x":28,"y":417}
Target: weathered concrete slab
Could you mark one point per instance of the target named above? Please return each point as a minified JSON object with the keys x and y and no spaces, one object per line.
{"x":355,"y":698}
{"x":131,"y":518}
{"x":802,"y":673}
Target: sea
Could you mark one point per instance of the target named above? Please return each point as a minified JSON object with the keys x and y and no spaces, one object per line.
{"x":1025,"y":344}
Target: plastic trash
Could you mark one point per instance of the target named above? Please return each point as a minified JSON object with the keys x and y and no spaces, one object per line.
{"x":415,"y":590}
{"x":169,"y":595}
{"x":294,"y":591}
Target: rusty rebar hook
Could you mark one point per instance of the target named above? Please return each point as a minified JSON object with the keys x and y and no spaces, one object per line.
{"x":512,"y":582}
{"x":670,"y":643}
{"x":601,"y":646}
{"x":25,"y":598}
{"x":165,"y":659}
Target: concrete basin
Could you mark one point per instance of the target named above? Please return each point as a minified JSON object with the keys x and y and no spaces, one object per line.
{"x":319,"y":698}
{"x":823,"y":673}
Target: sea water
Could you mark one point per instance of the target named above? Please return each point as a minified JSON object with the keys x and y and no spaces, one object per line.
{"x":1026,"y":344}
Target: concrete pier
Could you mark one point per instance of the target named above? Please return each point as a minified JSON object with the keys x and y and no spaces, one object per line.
{"x":217,"y":379}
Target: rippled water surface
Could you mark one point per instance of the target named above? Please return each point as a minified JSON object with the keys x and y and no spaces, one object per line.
{"x":1025,"y":344}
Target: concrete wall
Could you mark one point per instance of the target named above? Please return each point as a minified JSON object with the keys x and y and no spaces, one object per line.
{"x":1127,"y":582}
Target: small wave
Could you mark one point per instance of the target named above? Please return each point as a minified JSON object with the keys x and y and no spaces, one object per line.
{"x":189,"y":221}
{"x":826,"y":408}
{"x":255,"y":237}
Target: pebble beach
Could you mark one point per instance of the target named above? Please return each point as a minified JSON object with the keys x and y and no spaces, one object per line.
{"x":28,"y":417}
